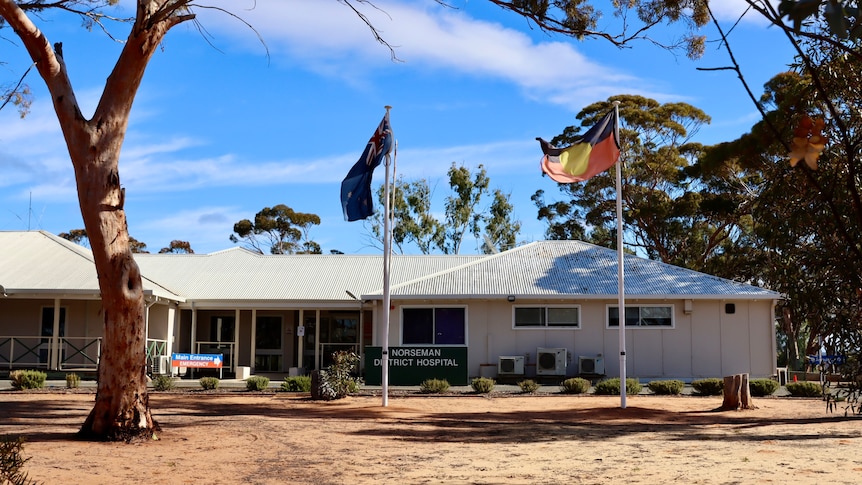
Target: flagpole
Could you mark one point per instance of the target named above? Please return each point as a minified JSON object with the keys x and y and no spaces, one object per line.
{"x":387,"y":250}
{"x":620,"y":273}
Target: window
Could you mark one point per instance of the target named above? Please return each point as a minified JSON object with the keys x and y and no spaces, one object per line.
{"x":434,"y":326}
{"x":553,"y":317}
{"x":48,"y":323}
{"x":642,"y":316}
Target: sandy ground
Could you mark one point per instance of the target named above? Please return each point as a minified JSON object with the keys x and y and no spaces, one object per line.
{"x":243,"y":437}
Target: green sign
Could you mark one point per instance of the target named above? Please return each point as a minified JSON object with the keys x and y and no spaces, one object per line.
{"x":409,"y":366}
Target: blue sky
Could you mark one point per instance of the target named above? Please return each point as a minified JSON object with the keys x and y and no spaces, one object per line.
{"x":224,"y":126}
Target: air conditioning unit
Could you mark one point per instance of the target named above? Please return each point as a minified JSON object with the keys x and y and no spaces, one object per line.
{"x":162,"y":365}
{"x":550,"y":362}
{"x":510,"y":365}
{"x":591,"y":365}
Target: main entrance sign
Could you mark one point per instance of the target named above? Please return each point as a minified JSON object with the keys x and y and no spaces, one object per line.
{"x":198,"y":361}
{"x":409,"y":366}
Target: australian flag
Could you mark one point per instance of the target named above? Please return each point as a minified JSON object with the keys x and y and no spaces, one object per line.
{"x":356,"y":196}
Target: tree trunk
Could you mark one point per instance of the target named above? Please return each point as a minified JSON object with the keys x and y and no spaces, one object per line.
{"x":737,"y":394}
{"x":121,"y":411}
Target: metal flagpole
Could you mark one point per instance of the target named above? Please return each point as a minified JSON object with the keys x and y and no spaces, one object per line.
{"x":620,"y":272}
{"x":384,"y":361}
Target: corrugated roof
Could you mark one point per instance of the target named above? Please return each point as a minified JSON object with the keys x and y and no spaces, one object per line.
{"x":40,"y":262}
{"x":572,"y":268}
{"x":238,"y":274}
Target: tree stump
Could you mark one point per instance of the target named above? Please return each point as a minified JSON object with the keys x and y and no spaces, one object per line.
{"x":737,"y":394}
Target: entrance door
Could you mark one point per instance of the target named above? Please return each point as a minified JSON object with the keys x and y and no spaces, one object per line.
{"x":268,"y":354}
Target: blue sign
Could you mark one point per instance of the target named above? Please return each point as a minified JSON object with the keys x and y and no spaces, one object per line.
{"x":205,"y":361}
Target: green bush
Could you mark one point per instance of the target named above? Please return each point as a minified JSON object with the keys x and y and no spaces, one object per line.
{"x":339,"y":374}
{"x":528,"y":386}
{"x":163,"y":383}
{"x":762,"y":387}
{"x":804,"y":389}
{"x":482,"y":385}
{"x":708,"y":387}
{"x":611,"y":387}
{"x":27,"y":379}
{"x":434,"y":386}
{"x":73,"y":381}
{"x":257,"y":383}
{"x":209,"y":383}
{"x":668,"y":388}
{"x":296,"y":384}
{"x":12,"y":461}
{"x":575,"y":385}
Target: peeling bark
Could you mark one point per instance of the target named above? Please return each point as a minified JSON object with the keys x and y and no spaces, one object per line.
{"x":121,"y":410}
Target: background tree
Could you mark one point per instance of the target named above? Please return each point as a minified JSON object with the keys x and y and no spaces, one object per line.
{"x":501,"y":230}
{"x":279,"y":229}
{"x":807,"y":224}
{"x":411,"y":212}
{"x":79,"y":236}
{"x":461,"y":207}
{"x":414,"y":221}
{"x":177,"y":247}
{"x":670,"y":213}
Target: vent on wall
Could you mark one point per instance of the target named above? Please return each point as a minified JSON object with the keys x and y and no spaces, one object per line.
{"x":510,"y":365}
{"x":551,"y":362}
{"x":591,"y":365}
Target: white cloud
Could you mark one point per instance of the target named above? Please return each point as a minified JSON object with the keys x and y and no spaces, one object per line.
{"x":426,"y":36}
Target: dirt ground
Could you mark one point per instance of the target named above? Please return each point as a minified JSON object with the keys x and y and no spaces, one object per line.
{"x":243,"y":437}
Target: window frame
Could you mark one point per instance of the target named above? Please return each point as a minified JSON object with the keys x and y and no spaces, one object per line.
{"x":640,"y":325}
{"x":434,"y":309}
{"x":544,"y":325}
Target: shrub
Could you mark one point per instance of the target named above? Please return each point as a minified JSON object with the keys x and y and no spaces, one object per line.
{"x":27,"y":379}
{"x":528,"y":386}
{"x":163,"y":383}
{"x":296,"y":384}
{"x":804,"y":389}
{"x":434,"y":386}
{"x":209,"y":383}
{"x":12,"y":461}
{"x":482,"y":385}
{"x":762,"y":387}
{"x":671,"y":387}
{"x":610,"y":387}
{"x":708,"y":387}
{"x":575,"y":385}
{"x":257,"y":383}
{"x":339,"y":374}
{"x":73,"y":381}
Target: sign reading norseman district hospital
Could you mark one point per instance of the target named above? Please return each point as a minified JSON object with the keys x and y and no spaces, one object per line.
{"x":409,"y":366}
{"x":198,"y":361}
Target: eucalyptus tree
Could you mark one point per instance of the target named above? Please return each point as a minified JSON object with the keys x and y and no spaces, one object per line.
{"x":177,"y":247}
{"x":670,"y":214}
{"x":414,"y":221}
{"x":278,"y":230}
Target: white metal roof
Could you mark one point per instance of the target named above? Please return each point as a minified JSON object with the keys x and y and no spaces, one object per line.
{"x":548,"y":269}
{"x":38,"y":262}
{"x":238,"y":274}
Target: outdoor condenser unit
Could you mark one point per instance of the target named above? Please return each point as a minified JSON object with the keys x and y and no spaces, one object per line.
{"x":550,"y":362}
{"x":509,"y":365}
{"x":163,"y":364}
{"x":591,"y":365}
